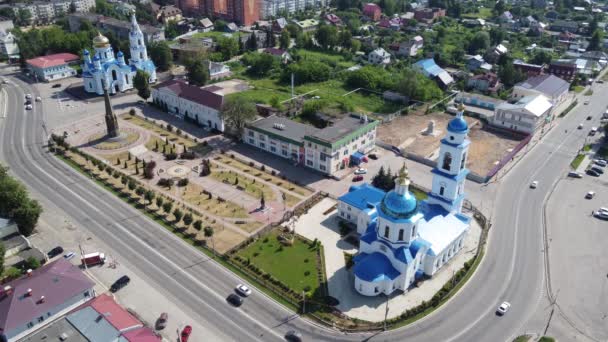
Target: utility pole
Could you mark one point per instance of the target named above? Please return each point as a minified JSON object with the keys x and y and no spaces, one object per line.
{"x":303,"y":302}
{"x":386,"y":312}
{"x":82,"y":256}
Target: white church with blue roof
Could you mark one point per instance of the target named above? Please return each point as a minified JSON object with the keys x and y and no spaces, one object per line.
{"x":106,"y":69}
{"x":403,"y":239}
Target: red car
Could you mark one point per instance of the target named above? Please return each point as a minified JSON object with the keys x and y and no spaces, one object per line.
{"x":186,"y":333}
{"x":357,"y":178}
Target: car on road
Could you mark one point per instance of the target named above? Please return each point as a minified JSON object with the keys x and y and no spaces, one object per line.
{"x":56,"y":85}
{"x":589,"y":117}
{"x":235,"y":300}
{"x":28,"y":107}
{"x":161,"y":322}
{"x":373,"y":156}
{"x":503,"y":308}
{"x":141,"y":101}
{"x":294,"y":336}
{"x":69,"y":255}
{"x":592,"y":172}
{"x":38,"y":99}
{"x":28,"y":96}
{"x":590,"y":195}
{"x":360,"y":171}
{"x":580,"y":126}
{"x":243,"y":290}
{"x":120,"y":283}
{"x":357,"y":178}
{"x":601,"y":214}
{"x":587,"y":102}
{"x":593,"y":131}
{"x":575,"y":174}
{"x":600,"y":162}
{"x":186,"y":333}
{"x":55,"y":252}
{"x":599,"y":81}
{"x":533,"y":185}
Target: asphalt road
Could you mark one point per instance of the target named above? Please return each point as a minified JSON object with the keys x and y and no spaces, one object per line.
{"x":513,"y":268}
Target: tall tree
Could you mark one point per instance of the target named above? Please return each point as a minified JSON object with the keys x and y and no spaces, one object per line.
{"x":160,"y":53}
{"x":227,"y":47}
{"x":284,"y":40}
{"x":479,"y":43}
{"x":237,"y":111}
{"x":595,"y":43}
{"x":346,"y":39}
{"x":197,"y":72}
{"x":271,"y":41}
{"x":499,"y":8}
{"x":142,"y":84}
{"x":327,"y":36}
{"x":252,"y":42}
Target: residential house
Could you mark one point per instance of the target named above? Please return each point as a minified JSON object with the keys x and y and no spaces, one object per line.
{"x":332,"y":19}
{"x":307,"y":25}
{"x":563,"y":68}
{"x":505,"y":17}
{"x":390,"y":23}
{"x":528,"y":69}
{"x":325,"y":150}
{"x":206,"y":25}
{"x":46,"y":12}
{"x":411,"y":47}
{"x":232,"y":28}
{"x":282,"y":55}
{"x":372,"y":11}
{"x":487,"y":83}
{"x":168,"y":13}
{"x":528,"y":21}
{"x":525,"y":116}
{"x":279,"y":24}
{"x":587,"y":67}
{"x":476,"y":105}
{"x":218,"y":70}
{"x":428,"y":15}
{"x":42,"y":295}
{"x":564,"y":26}
{"x":189,"y":102}
{"x":472,"y":23}
{"x":500,"y":50}
{"x":52,"y":67}
{"x":430,"y":69}
{"x":552,"y":87}
{"x":551,"y":15}
{"x":598,"y":56}
{"x":379,"y":57}
{"x":477,"y":62}
{"x":8,"y":46}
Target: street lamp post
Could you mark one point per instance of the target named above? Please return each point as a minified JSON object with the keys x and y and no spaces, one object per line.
{"x":386,"y":312}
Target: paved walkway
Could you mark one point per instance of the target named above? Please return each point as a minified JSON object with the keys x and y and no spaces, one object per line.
{"x":341,"y":281}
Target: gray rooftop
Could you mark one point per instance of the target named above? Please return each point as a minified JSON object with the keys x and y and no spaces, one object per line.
{"x":90,"y":324}
{"x":13,"y":240}
{"x":53,"y":331}
{"x":289,"y":129}
{"x":340,"y":128}
{"x":549,"y":85}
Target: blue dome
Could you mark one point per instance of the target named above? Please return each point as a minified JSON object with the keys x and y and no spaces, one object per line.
{"x":458,"y":125}
{"x":119,"y":54}
{"x":399,"y":206}
{"x":96,"y":58}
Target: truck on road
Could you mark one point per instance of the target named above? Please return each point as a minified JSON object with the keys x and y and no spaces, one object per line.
{"x":92,"y":259}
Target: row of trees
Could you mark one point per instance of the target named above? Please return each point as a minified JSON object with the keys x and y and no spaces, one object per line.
{"x":16,"y":204}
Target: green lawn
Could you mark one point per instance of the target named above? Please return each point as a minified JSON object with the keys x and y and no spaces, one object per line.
{"x":288,"y":264}
{"x":522,"y":338}
{"x":483,"y":13}
{"x":213,"y":34}
{"x":326,"y":56}
{"x":578,"y":89}
{"x":577,"y":161}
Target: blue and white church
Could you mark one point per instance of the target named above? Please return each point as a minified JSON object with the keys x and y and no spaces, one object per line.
{"x":403,"y":239}
{"x":115,"y":72}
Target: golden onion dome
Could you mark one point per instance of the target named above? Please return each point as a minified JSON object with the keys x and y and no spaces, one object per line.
{"x":100,"y":41}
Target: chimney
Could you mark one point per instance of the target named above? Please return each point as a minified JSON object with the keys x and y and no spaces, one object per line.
{"x":29,"y":272}
{"x":29,"y":292}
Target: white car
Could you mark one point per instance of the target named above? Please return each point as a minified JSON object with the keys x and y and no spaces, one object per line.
{"x":360,"y":171}
{"x":503,"y":308}
{"x":69,"y":255}
{"x":590,"y":195}
{"x":29,"y":107}
{"x":28,"y":96}
{"x":601,"y":163}
{"x":38,"y":99}
{"x":601,"y":214}
{"x":580,"y":126}
{"x":243,"y":290}
{"x":533,"y":185}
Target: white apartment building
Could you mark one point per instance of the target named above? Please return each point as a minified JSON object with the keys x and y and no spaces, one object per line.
{"x":379,"y":57}
{"x":325,"y":150}
{"x":48,"y":11}
{"x":271,"y":8}
{"x":525,"y":116}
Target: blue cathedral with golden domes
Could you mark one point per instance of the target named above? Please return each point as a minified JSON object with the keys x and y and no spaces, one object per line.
{"x":104,"y":67}
{"x":401,"y":238}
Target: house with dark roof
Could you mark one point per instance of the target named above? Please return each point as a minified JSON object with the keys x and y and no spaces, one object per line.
{"x":428,"y":15}
{"x":40,"y":296}
{"x":189,"y":102}
{"x":487,"y":82}
{"x":553,"y":87}
{"x":564,"y":26}
{"x":530,"y":70}
{"x":326,"y":150}
{"x":279,"y":24}
{"x":563,"y":68}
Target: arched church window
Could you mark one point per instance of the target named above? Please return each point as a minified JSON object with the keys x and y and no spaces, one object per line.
{"x":400,"y":235}
{"x":141,"y":55}
{"x":386,"y":231}
{"x":447,"y":161}
{"x":414,"y":232}
{"x":441,"y":190}
{"x":464,"y":158}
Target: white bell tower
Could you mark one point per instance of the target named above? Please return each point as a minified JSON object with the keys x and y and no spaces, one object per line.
{"x":139,"y":53}
{"x":450,"y":172}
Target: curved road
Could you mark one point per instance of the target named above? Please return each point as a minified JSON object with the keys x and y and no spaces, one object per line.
{"x":513,"y":268}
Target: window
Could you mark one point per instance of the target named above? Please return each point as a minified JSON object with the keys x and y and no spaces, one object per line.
{"x":464,"y":158}
{"x":262,"y":145}
{"x":309,"y":162}
{"x":30,"y":324}
{"x":348,"y":208}
{"x":400,"y":235}
{"x":86,"y":294}
{"x":386,"y":231}
{"x":251,"y":141}
{"x":376,"y":289}
{"x":447,"y":161}
{"x":323,"y":157}
{"x":322,"y":167}
{"x":451,"y":137}
{"x":40,"y":319}
{"x":284,"y":152}
{"x":273,"y":149}
{"x":348,"y":216}
{"x":441,"y":190}
{"x":345,"y":151}
{"x":251,"y":134}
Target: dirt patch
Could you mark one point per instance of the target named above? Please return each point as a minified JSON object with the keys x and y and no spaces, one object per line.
{"x":407,"y":132}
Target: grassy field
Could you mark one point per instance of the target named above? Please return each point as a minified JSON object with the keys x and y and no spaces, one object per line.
{"x":249,"y":186}
{"x":194,"y":195}
{"x":212,"y":34}
{"x":577,"y":161}
{"x":336,"y":58}
{"x":293,"y":265}
{"x":577,"y":89}
{"x":483,"y":13}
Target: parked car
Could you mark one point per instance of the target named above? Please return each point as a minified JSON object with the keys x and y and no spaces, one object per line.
{"x":186,"y":333}
{"x":533,"y":185}
{"x":28,"y":102}
{"x":575,"y":174}
{"x":593,"y":131}
{"x":120,"y":283}
{"x":580,"y":126}
{"x":601,"y":215}
{"x":503,"y":308}
{"x":587,"y":102}
{"x":29,"y":107}
{"x":590,"y":195}
{"x":55,"y":252}
{"x":28,"y":96}
{"x":69,"y":255}
{"x":243,"y":290}
{"x":161,"y":322}
{"x":56,"y":85}
{"x":360,"y":171}
{"x":235,"y":300}
{"x":373,"y":156}
{"x":597,"y":169}
{"x":294,"y":336}
{"x":38,"y":99}
{"x":357,"y":178}
{"x":589,"y":117}
{"x":593,"y":173}
{"x":600,"y":162}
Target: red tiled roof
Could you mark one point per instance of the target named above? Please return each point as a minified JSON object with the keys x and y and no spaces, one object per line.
{"x":193,"y":93}
{"x":53,"y":60}
{"x":141,"y":335}
{"x":371,"y":7}
{"x":57,"y":281}
{"x":118,"y":317}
